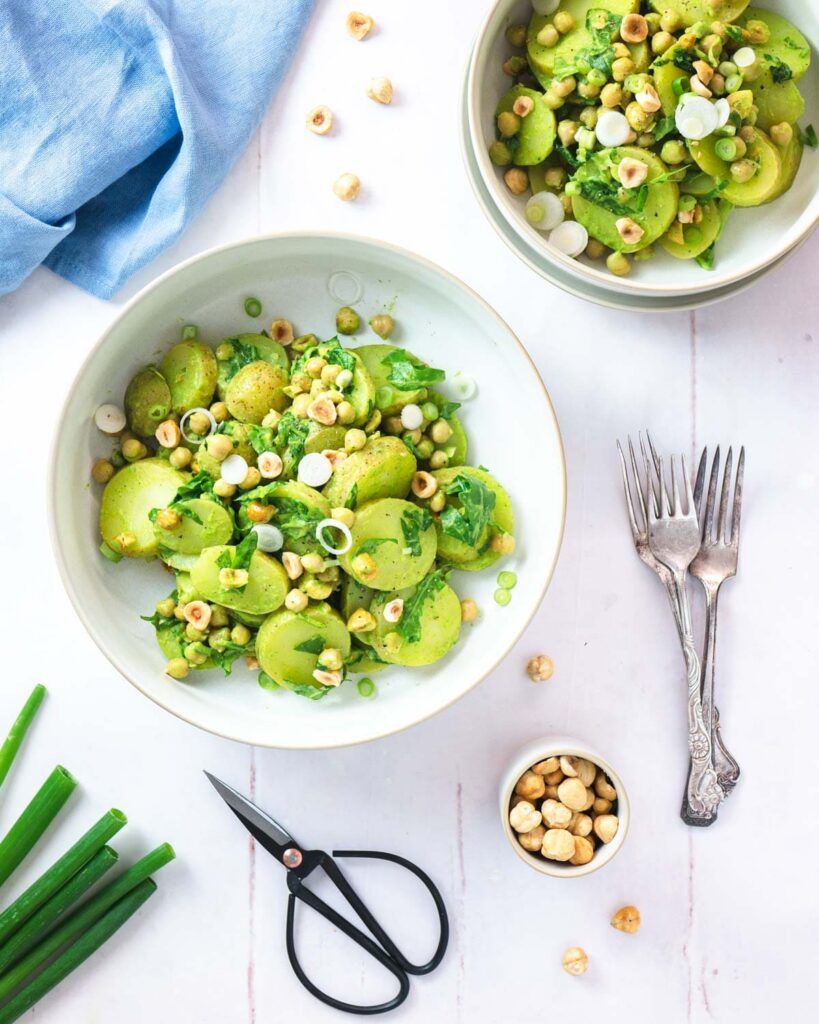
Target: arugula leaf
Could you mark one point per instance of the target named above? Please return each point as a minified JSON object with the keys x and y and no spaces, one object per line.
{"x":225,"y":560}
{"x":261,"y":438}
{"x":409,"y":625}
{"x":407,"y":376}
{"x":352,"y":497}
{"x":684,"y":60}
{"x":244,"y":551}
{"x":448,"y":409}
{"x":734,"y":32}
{"x":706,"y":259}
{"x":243,"y":353}
{"x":413,"y":524}
{"x":665,"y":127}
{"x":197,"y":487}
{"x":291,"y":436}
{"x":332,"y":351}
{"x":604,"y":192}
{"x":230,"y":653}
{"x":315,"y":645}
{"x":367,"y":547}
{"x":310,"y":692}
{"x":808,"y":136}
{"x":468,"y":522}
{"x":295,"y":519}
{"x":780,"y":71}
{"x":568,"y":157}
{"x":410,"y":444}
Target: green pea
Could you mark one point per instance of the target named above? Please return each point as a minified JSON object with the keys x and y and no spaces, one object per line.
{"x":253,"y":307}
{"x":190,"y":332}
{"x":507,"y":580}
{"x":366,"y":687}
{"x":733,"y":83}
{"x":347,"y":320}
{"x":503,"y":597}
{"x":429,"y":411}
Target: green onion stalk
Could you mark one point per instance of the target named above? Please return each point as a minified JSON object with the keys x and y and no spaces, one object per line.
{"x":18,"y":731}
{"x":44,"y":807}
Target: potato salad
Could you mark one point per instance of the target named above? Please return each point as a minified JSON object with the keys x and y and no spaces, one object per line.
{"x":310,"y":499}
{"x":632,"y":125}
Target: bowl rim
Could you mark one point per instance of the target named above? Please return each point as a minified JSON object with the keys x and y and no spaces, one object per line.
{"x":159,"y":281}
{"x":554,"y":746}
{"x":788,"y":240}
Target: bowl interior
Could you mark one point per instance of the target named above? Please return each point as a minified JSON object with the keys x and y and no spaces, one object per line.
{"x":540,"y":750}
{"x":752,"y":239}
{"x":445,"y":324}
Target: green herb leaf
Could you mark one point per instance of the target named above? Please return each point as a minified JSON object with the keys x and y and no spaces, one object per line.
{"x":808,"y":136}
{"x":267,"y":683}
{"x":413,"y":523}
{"x":477,"y":503}
{"x":352,"y":497}
{"x":291,"y":437}
{"x":243,"y":354}
{"x":244,"y":551}
{"x":734,"y":32}
{"x":448,"y":409}
{"x":568,"y":157}
{"x":407,"y":376}
{"x":664,"y":128}
{"x":409,"y":625}
{"x":261,"y":438}
{"x":225,"y":560}
{"x":310,"y":692}
{"x":230,"y":653}
{"x":315,"y":645}
{"x":295,"y":519}
{"x":684,"y":60}
{"x":780,"y":71}
{"x":368,"y":547}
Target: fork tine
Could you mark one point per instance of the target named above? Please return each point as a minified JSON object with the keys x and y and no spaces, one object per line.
{"x":626,"y":487}
{"x":665,"y":511}
{"x":658,"y":465}
{"x":699,"y":486}
{"x":650,"y":488}
{"x":737,"y":511}
{"x":638,"y":487}
{"x":726,"y":491}
{"x":675,"y":494}
{"x":708,"y":524}
{"x":689,"y":497}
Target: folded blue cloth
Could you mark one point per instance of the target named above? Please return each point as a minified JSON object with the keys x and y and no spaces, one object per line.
{"x":119,"y":119}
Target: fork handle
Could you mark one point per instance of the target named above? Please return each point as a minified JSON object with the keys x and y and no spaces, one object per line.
{"x":703,"y":792}
{"x":726,"y":767}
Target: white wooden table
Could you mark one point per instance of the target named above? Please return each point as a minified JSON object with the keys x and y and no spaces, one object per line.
{"x":731,"y":915}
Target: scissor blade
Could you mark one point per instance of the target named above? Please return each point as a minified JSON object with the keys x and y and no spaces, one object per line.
{"x":270,"y":833}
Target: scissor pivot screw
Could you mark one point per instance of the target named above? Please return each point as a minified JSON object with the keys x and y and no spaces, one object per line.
{"x":292,"y":858}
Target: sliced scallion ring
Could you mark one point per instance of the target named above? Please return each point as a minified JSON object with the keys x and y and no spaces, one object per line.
{"x":183,"y":422}
{"x":334,"y":524}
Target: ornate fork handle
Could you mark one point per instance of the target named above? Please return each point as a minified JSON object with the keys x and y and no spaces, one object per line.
{"x":727,"y":769}
{"x":703,"y":793}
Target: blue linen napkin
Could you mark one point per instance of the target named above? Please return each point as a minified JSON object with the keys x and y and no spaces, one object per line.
{"x":119,"y":119}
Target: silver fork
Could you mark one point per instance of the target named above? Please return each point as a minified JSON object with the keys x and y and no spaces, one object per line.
{"x":674,"y":540}
{"x":715,"y":563}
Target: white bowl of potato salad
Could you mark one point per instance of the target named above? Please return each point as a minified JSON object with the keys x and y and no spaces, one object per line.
{"x":650,"y":147}
{"x":281,"y":500}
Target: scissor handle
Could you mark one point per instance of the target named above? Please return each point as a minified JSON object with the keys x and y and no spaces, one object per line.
{"x":301,"y":892}
{"x":365,"y":915}
{"x":387,"y":953}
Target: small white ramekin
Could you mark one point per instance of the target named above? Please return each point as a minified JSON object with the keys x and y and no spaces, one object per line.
{"x":555,"y":746}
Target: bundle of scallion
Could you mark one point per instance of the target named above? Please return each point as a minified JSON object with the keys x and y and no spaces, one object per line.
{"x":43,"y":935}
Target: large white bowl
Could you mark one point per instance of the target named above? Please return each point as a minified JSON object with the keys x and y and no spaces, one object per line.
{"x":753,"y":240}
{"x":510,"y":422}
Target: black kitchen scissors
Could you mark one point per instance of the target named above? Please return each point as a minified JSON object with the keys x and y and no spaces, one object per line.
{"x":300,"y":863}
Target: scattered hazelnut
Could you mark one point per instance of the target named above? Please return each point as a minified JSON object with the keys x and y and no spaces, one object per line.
{"x":629,"y":230}
{"x":320,"y":120}
{"x":347,"y":187}
{"x":359,"y":25}
{"x":631,"y":172}
{"x":633,"y":28}
{"x":469,"y":610}
{"x":705,"y":72}
{"x":523,"y":106}
{"x":627,"y":919}
{"x":517,"y":180}
{"x":539,"y":669}
{"x":575,"y":961}
{"x":380,"y":90}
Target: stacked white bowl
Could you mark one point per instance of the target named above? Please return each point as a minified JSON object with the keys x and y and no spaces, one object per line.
{"x":754,"y":241}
